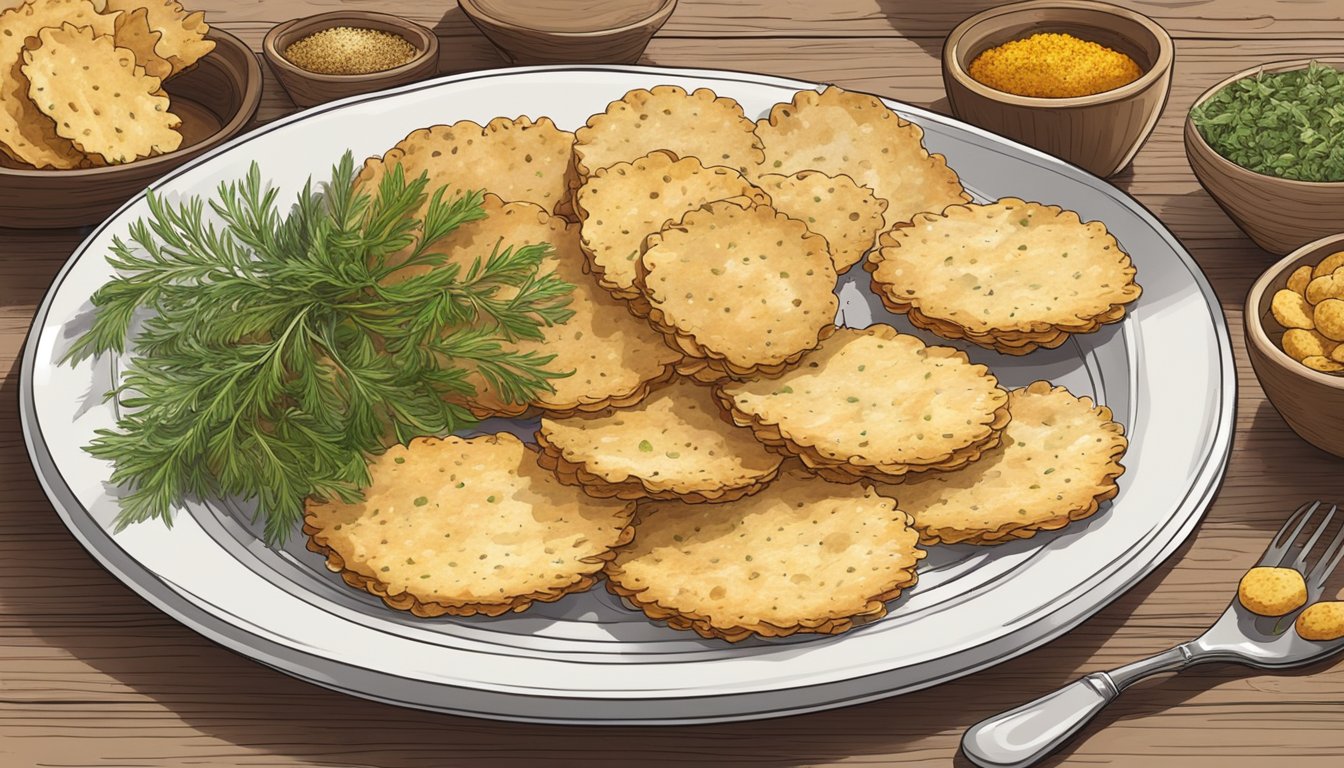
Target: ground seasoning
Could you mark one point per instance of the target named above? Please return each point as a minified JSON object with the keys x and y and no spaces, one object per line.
{"x":1054,"y":66}
{"x":350,"y":51}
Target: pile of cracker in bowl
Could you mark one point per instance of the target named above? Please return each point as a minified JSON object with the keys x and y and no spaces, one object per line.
{"x":81,"y":81}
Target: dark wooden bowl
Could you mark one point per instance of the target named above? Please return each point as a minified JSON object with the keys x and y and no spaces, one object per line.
{"x":215,"y":99}
{"x":1099,"y":133}
{"x":581,"y":39}
{"x":1280,"y":215}
{"x":1310,"y":401}
{"x":309,"y":88}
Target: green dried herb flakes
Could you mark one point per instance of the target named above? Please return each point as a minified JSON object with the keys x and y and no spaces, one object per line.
{"x":1284,"y":124}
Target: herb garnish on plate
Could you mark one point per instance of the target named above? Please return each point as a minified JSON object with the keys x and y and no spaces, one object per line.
{"x":1284,"y":124}
{"x":278,"y":354}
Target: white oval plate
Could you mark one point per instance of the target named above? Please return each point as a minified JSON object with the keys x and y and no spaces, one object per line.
{"x":1166,"y":371}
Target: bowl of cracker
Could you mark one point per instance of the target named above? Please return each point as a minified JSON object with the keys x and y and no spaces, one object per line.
{"x":1295,"y":339}
{"x":157,"y":88}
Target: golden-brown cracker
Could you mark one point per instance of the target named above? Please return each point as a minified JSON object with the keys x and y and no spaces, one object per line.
{"x":1009,"y":275}
{"x":621,"y":205}
{"x":465,"y":526}
{"x":1329,"y":286}
{"x":673,"y":445}
{"x":849,"y":216}
{"x":855,"y":134}
{"x":614,"y":357}
{"x":26,"y":133}
{"x":97,"y":95}
{"x":1323,"y":364}
{"x":1321,"y":621}
{"x":1326,"y":317}
{"x":133,"y":32}
{"x":747,"y":290}
{"x":1058,"y":460}
{"x":699,"y":124}
{"x":1292,"y":310}
{"x":1301,"y":344}
{"x":1300,"y":279}
{"x":874,"y":402}
{"x":804,"y":555}
{"x":1328,"y":264}
{"x":182,"y":40}
{"x":1272,"y":591}
{"x":519,"y":160}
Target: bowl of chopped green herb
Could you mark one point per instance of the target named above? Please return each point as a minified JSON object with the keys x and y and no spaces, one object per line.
{"x":1267,"y":144}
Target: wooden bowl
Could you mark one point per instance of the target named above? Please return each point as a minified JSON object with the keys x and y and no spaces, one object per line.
{"x":1100,"y":133}
{"x":306,"y":88}
{"x":1280,"y":215}
{"x":215,"y":99}
{"x":1310,"y":401}
{"x":550,"y":32}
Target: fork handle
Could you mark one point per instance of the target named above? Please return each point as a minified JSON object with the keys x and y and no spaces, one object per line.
{"x":1021,"y":736}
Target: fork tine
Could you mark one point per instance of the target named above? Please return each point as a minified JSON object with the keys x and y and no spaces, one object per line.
{"x":1333,"y":554}
{"x":1301,"y":562}
{"x":1280,"y":544}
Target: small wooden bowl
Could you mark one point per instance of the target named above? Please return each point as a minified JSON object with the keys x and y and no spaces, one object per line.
{"x":578,"y":39}
{"x":1100,"y":133}
{"x":1310,"y":401}
{"x":1278,"y":214}
{"x":306,"y":88}
{"x":215,"y":99}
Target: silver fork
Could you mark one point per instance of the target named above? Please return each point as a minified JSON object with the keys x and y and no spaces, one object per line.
{"x":1020,"y":737}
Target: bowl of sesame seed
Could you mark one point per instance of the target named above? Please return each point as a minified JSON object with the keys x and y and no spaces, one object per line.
{"x":342,"y":53}
{"x":1081,"y":80}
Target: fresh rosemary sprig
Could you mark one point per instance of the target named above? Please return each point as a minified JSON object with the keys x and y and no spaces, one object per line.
{"x":279,"y":351}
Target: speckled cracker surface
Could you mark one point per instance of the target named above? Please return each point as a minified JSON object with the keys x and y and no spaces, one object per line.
{"x":1272,"y":591}
{"x":98,"y":96}
{"x":673,"y":445}
{"x":182,"y":34}
{"x":855,"y":134}
{"x":26,"y":133}
{"x":699,"y":124}
{"x":618,"y":207}
{"x":848,"y":215}
{"x":747,"y":290}
{"x":875,"y":403}
{"x":466,"y":526}
{"x":1321,"y":621}
{"x":1009,"y":275}
{"x":614,"y":356}
{"x":519,"y":160}
{"x":133,"y":32}
{"x":804,"y":555}
{"x":1058,"y":460}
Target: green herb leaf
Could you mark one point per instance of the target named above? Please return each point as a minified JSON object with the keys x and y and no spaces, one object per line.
{"x":279,"y":350}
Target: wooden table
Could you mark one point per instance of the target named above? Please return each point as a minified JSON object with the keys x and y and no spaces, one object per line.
{"x":91,"y":675}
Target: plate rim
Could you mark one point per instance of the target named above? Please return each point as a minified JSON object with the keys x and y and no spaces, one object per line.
{"x":1206,"y":480}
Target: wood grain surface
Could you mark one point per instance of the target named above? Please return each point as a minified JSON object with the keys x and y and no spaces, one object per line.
{"x":91,"y":675}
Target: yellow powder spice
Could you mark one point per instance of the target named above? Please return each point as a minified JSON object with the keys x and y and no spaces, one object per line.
{"x":1053,"y":65}
{"x":350,"y":51}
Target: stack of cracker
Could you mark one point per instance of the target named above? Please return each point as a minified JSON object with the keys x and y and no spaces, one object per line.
{"x":81,"y":81}
{"x":782,"y":473}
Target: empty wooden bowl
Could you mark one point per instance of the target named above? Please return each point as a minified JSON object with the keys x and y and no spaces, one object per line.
{"x":1100,"y":133}
{"x":556,"y":32}
{"x":1310,"y":401}
{"x":216,"y":99}
{"x":307,"y":88}
{"x":1280,"y":215}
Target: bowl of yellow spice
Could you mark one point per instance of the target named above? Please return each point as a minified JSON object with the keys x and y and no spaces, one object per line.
{"x":343,"y":53}
{"x":1080,"y":80}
